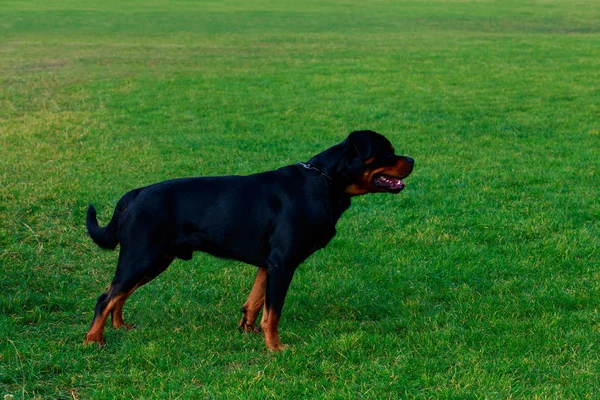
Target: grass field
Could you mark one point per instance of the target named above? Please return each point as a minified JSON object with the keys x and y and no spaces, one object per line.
{"x":480,"y":280}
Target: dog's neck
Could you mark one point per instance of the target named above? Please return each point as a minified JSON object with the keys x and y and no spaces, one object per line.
{"x":330,"y":163}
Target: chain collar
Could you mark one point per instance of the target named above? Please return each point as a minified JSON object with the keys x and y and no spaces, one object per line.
{"x":309,"y":166}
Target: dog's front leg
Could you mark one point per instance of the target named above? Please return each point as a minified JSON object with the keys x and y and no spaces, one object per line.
{"x":279,"y":277}
{"x":255,"y":302}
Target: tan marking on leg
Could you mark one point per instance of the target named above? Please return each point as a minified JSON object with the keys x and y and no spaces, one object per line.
{"x":269,"y":327}
{"x":254,"y":303}
{"x":117,"y":316}
{"x":95,"y":332}
{"x":265,"y":315}
{"x":117,"y":313}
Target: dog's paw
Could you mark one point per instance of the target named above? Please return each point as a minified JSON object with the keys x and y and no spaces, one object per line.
{"x":244,"y":327}
{"x":87,"y":341}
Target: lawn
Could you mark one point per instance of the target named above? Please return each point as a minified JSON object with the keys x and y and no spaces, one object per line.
{"x":480,"y":280}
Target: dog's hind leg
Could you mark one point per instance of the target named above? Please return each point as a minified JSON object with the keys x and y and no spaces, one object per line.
{"x":117,"y":314}
{"x":104,"y":306}
{"x":127,"y":279}
{"x":159,"y":265}
{"x":254,"y":303}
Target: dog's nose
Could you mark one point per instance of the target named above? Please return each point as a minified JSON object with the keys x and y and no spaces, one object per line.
{"x":409,"y":160}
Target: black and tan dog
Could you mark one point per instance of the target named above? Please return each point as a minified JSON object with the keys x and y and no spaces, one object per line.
{"x":273,"y":220}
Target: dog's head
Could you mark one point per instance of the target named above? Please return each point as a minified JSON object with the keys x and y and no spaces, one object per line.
{"x":373,"y":166}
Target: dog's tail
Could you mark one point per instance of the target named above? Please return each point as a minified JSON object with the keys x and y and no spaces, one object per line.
{"x":105,"y":237}
{"x":108,"y":237}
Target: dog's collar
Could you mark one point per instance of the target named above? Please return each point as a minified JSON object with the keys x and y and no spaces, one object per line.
{"x":309,"y":166}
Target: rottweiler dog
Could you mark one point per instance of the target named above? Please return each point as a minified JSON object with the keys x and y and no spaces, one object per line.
{"x":273,"y":220}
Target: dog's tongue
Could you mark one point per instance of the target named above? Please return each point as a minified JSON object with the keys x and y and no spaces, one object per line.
{"x":387,"y":182}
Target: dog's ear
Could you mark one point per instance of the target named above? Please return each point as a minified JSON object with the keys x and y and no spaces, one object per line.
{"x":361,"y":143}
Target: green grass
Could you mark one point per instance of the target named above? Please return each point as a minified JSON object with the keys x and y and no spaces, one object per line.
{"x":481,"y":280}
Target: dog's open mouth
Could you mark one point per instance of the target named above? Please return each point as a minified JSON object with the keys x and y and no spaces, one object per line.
{"x":388,"y":183}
